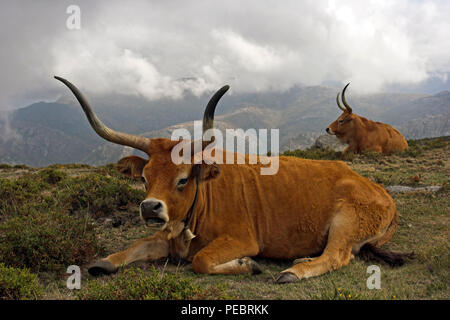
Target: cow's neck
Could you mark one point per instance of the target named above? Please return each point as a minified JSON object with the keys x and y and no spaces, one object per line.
{"x":356,"y":132}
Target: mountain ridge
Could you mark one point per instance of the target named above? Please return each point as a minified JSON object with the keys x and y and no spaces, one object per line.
{"x":58,"y":132}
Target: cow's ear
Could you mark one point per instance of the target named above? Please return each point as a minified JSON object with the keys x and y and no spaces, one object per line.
{"x":206,"y":171}
{"x":132,"y":166}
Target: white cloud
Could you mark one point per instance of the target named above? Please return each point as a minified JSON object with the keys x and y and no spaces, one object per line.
{"x":8,"y":133}
{"x":147,"y":47}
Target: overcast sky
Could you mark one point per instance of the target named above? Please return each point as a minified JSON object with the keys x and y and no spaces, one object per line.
{"x":146,"y":47}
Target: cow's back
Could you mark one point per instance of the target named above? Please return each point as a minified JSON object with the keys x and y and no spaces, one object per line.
{"x":380,"y":137}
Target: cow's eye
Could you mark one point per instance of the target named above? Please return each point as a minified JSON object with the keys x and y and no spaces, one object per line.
{"x":341,"y":121}
{"x":182,"y":181}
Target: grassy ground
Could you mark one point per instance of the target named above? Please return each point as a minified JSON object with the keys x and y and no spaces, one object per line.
{"x":423,"y":228}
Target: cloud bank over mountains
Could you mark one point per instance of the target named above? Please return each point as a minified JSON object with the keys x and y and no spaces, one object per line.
{"x":160,"y":49}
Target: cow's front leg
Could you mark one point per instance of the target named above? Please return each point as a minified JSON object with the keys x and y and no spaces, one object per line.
{"x":152,"y":248}
{"x":227,"y":255}
{"x":345,"y":151}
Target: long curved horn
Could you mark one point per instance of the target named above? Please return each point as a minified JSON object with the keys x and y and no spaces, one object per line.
{"x":339,"y":105}
{"x":208,"y":115}
{"x":349,"y":109}
{"x":102,"y":130}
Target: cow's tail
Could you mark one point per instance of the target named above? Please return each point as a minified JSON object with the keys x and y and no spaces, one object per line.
{"x":370,"y":252}
{"x":374,"y":252}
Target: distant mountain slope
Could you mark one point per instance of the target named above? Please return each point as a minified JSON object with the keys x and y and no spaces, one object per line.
{"x":429,"y":126}
{"x":37,"y":145}
{"x":58,"y":132}
{"x":418,"y":108}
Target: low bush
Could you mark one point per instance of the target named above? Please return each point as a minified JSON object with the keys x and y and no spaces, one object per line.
{"x":16,"y":283}
{"x":414,"y":150}
{"x":46,"y":241}
{"x":69,"y":166}
{"x":51,"y":176}
{"x":98,"y":194}
{"x":135,"y":284}
{"x":319,"y":154}
{"x":435,"y":143}
{"x":23,"y":192}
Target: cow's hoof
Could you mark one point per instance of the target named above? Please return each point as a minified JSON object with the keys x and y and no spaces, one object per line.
{"x":102,"y":267}
{"x":287,"y":277}
{"x":256,"y":268}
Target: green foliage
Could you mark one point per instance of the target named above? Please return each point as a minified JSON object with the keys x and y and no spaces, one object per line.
{"x":13,"y":167}
{"x":46,"y":241}
{"x":70,"y":166}
{"x":338,"y":293}
{"x":98,"y":194}
{"x":371,"y":155}
{"x":16,"y":283}
{"x":52,"y":189}
{"x":319,"y":154}
{"x":52,"y":176}
{"x":416,"y":148}
{"x":135,"y":284}
{"x":434,"y":143}
{"x":24,"y":192}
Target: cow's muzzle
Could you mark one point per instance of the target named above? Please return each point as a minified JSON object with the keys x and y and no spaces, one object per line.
{"x":329,"y":131}
{"x":154,"y":212}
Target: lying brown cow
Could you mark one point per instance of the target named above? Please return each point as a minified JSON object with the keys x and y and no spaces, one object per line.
{"x":362,"y":134}
{"x":219,"y":217}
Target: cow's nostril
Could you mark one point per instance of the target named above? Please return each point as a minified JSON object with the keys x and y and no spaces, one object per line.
{"x":157,"y":207}
{"x":327,"y":130}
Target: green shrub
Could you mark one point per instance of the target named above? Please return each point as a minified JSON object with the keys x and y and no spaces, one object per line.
{"x":371,"y":155}
{"x":25,"y":191}
{"x":21,"y":166}
{"x":46,"y":241}
{"x":98,"y":194}
{"x":319,"y":154}
{"x":69,"y":166}
{"x":18,"y":283}
{"x":435,"y":143}
{"x":135,"y":284}
{"x":414,"y":150}
{"x":51,"y":176}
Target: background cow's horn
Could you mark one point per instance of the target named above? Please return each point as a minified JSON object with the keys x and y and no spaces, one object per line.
{"x":103,"y":131}
{"x":345,"y":101}
{"x":208,"y":115}
{"x":339,"y":105}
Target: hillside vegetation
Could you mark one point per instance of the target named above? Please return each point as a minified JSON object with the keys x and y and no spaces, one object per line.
{"x":62,"y":215}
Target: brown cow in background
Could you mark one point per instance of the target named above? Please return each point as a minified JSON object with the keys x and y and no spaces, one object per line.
{"x":218,"y":217}
{"x":362,"y":134}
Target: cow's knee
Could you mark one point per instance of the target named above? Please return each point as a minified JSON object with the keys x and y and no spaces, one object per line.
{"x":200,"y":264}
